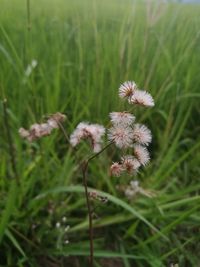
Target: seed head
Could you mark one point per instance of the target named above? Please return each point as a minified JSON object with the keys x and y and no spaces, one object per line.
{"x":130,"y":164}
{"x":121,"y":118}
{"x":122,"y":136}
{"x":141,"y":134}
{"x":93,"y":132}
{"x":127,"y":89}
{"x":142,"y":154}
{"x":116,"y":169}
{"x":142,"y":98}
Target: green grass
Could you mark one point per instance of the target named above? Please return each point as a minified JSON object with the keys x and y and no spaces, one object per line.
{"x":85,"y":49}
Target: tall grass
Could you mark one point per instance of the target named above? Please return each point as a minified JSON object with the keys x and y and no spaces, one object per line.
{"x":85,"y":49}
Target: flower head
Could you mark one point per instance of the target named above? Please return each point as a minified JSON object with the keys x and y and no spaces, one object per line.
{"x":142,"y":154}
{"x":142,"y":98}
{"x":141,"y":134}
{"x":127,"y":89}
{"x":122,"y":136}
{"x":122,"y":118}
{"x":37,"y":130}
{"x":93,"y":132}
{"x":116,"y":169}
{"x":132,"y":189}
{"x":130,"y":164}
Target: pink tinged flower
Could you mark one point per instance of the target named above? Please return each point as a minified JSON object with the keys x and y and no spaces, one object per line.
{"x":130,"y":164}
{"x":127,"y":89}
{"x":141,"y":134}
{"x":93,"y":132}
{"x":23,"y":133}
{"x":116,"y":169}
{"x":37,"y":130}
{"x":97,"y":131}
{"x":121,"y":118}
{"x":142,"y":98}
{"x":121,"y":136}
{"x":142,"y":154}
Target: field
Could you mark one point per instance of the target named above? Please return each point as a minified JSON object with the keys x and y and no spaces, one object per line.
{"x":83,"y":51}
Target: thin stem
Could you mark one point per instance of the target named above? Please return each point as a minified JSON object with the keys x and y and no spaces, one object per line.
{"x":97,"y":154}
{"x":10,"y":142}
{"x":84,"y":167}
{"x":63,"y":131}
{"x":68,"y":140}
{"x":84,"y":170}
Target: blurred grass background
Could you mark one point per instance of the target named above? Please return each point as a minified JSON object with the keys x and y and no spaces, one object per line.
{"x":84,"y":50}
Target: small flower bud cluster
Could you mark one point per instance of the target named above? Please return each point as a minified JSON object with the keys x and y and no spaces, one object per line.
{"x":37,"y":130}
{"x":63,"y":228}
{"x":93,"y":132}
{"x":128,"y":135}
{"x":130,"y":91}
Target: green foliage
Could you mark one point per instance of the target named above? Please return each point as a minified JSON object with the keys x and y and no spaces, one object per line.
{"x":84,"y":50}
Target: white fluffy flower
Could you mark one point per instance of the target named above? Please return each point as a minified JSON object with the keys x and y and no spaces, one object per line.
{"x":141,"y":134}
{"x":116,"y":169}
{"x":130,"y":164}
{"x":122,"y":136}
{"x":122,"y":118}
{"x":142,"y":98}
{"x":142,"y":154}
{"x":127,"y":89}
{"x":94,"y":132}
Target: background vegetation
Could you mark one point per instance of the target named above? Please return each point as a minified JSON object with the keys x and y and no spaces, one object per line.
{"x":84,"y":50}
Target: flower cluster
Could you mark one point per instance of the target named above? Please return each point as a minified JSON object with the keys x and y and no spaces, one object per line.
{"x":130,"y":91}
{"x":127,"y":164}
{"x":126,"y":134}
{"x":37,"y":130}
{"x":93,"y":132}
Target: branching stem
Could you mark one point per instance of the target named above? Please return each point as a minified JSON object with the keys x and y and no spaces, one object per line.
{"x":84,"y":171}
{"x":84,"y":168}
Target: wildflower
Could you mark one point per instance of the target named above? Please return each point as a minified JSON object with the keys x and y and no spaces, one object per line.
{"x":66,"y":228}
{"x":132,"y":189}
{"x":122,"y":136}
{"x":93,"y":132}
{"x":58,"y":225}
{"x":55,"y":119}
{"x":37,"y":130}
{"x":130,"y":164}
{"x":127,"y":89}
{"x":122,"y":118}
{"x":142,"y":154}
{"x":142,"y":98}
{"x":93,"y":194}
{"x":64,"y":219}
{"x":129,"y":193}
{"x":116,"y":169}
{"x":141,"y":134}
{"x":23,"y":133}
